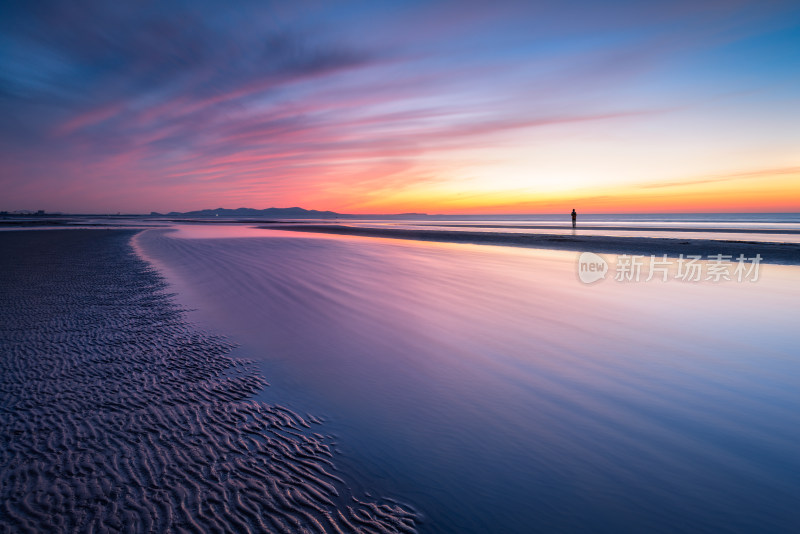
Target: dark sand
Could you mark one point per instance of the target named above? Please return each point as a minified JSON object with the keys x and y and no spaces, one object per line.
{"x":782,"y":253}
{"x":118,"y":415}
{"x":619,"y":228}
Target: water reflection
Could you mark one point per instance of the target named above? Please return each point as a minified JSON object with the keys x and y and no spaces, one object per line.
{"x":493,"y":390}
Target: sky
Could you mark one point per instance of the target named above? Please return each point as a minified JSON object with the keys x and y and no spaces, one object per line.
{"x":391,"y":107}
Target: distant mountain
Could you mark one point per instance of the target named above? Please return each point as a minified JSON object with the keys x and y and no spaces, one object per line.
{"x":278,"y":213}
{"x":274,"y":213}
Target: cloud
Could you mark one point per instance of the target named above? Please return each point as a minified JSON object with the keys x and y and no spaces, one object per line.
{"x":70,"y":63}
{"x":741,"y":175}
{"x":122,"y":98}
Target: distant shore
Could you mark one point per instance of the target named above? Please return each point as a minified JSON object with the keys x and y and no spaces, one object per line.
{"x":780,"y":253}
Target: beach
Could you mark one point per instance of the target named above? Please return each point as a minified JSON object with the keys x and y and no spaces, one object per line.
{"x":119,"y":415}
{"x":222,"y":377}
{"x":400,"y":267}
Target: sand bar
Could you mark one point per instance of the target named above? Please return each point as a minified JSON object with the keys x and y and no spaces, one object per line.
{"x":781,"y":253}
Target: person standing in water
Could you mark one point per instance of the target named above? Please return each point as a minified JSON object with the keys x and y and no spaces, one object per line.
{"x":574,"y":218}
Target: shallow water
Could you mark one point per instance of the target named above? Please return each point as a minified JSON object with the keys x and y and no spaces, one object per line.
{"x":491,"y":389}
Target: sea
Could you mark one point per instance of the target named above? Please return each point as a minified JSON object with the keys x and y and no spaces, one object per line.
{"x":492,"y":389}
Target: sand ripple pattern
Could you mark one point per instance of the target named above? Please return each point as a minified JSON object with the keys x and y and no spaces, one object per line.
{"x":118,"y":416}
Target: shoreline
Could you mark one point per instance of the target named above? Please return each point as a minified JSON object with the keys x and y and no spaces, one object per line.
{"x":789,"y":231}
{"x":779,"y":253}
{"x":119,"y":413}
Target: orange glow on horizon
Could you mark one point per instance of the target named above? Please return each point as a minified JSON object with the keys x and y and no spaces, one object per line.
{"x":767,"y":191}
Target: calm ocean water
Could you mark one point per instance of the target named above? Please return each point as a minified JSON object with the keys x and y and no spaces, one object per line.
{"x":493,"y":391}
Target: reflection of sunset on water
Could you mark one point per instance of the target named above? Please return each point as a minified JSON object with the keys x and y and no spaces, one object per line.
{"x":490,"y":382}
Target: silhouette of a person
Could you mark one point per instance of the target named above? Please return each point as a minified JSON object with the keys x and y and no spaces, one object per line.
{"x":574,"y":218}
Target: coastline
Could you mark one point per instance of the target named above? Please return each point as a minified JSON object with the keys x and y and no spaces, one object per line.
{"x":120,"y":413}
{"x":591,"y":226}
{"x":779,"y":253}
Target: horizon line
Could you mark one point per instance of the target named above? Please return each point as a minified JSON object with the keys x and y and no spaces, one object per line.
{"x":460,"y":214}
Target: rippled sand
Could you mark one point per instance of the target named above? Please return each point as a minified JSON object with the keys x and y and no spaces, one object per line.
{"x":118,"y":415}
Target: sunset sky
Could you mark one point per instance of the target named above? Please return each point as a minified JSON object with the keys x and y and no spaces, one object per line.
{"x":385,"y":107}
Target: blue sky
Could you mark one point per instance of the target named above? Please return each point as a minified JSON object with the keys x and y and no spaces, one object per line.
{"x":380,"y":107}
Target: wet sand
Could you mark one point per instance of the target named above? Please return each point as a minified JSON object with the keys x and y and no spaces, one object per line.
{"x":117,"y":414}
{"x":780,"y":253}
{"x":619,"y":227}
